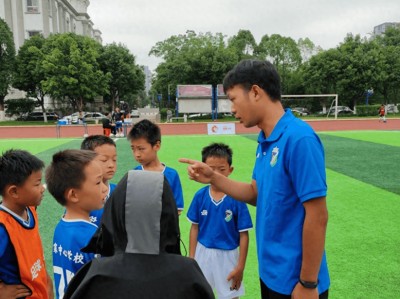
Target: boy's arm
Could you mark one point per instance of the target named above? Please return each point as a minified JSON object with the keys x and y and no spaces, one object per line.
{"x":194,"y":231}
{"x":237,"y":274}
{"x":13,"y":291}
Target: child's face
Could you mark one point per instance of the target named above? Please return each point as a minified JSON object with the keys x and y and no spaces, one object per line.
{"x":219,"y":165}
{"x":93,"y":191}
{"x":143,"y":151}
{"x":31,"y":192}
{"x":107,"y":158}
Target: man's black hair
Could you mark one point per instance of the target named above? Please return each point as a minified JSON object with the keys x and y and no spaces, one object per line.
{"x":255,"y":72}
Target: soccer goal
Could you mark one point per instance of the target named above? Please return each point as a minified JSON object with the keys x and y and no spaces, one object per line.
{"x":323,"y":104}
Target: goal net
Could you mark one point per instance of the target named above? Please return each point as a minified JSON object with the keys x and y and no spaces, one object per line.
{"x":312,"y":104}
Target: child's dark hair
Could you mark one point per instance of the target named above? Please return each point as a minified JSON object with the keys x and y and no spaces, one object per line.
{"x":219,"y":150}
{"x":93,"y":141}
{"x":16,"y":166}
{"x":147,"y":130}
{"x":67,"y":171}
{"x":255,"y":72}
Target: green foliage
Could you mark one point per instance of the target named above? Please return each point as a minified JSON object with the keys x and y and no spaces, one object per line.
{"x":367,"y":110}
{"x":20,"y":106}
{"x":7,"y":60}
{"x":243,"y":44}
{"x":191,"y":59}
{"x":126,"y":78}
{"x":72,"y":70}
{"x":284,"y":53}
{"x":29,"y":73}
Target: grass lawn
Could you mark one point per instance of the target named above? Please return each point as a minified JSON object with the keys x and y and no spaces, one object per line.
{"x":363,"y":237}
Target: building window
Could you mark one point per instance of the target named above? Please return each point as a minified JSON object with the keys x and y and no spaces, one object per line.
{"x":32,"y":6}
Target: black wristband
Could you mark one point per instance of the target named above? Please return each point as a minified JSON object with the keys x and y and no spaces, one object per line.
{"x":308,"y":284}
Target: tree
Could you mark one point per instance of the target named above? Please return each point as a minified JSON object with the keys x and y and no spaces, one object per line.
{"x":243,"y":44}
{"x":20,"y":106}
{"x":350,"y":70}
{"x":307,"y":49}
{"x":389,"y":85}
{"x":29,"y":72}
{"x":72,"y":70}
{"x":192,"y":59}
{"x":7,"y":62}
{"x":126,"y":77}
{"x":283,"y":53}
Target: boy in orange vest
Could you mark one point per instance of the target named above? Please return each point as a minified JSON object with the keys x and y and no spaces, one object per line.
{"x":22,"y":266}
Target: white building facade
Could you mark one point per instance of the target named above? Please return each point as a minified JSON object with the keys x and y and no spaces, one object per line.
{"x":30,"y":17}
{"x":380,"y":29}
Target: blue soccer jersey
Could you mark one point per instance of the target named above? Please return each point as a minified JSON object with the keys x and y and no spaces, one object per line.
{"x":220,"y":222}
{"x":289,"y":170}
{"x":95,"y":216}
{"x":174,"y":182}
{"x":70,"y":236}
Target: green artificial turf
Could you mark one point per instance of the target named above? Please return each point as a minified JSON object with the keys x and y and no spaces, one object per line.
{"x":369,"y":162}
{"x":363,"y":237}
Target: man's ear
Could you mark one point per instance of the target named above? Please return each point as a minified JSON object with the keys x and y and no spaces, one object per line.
{"x":12,"y":191}
{"x":71,"y":195}
{"x":256,"y":91}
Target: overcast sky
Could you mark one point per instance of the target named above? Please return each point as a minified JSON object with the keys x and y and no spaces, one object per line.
{"x":140,"y":24}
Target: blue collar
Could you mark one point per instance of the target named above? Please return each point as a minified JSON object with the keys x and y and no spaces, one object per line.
{"x":278,"y":129}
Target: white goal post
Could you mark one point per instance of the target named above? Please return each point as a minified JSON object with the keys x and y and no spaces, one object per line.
{"x":304,"y":96}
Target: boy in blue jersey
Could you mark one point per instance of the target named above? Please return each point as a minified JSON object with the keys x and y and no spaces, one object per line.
{"x":220,"y":225}
{"x":22,"y":267}
{"x":75,"y":179}
{"x":106,"y":151}
{"x":145,"y":139}
{"x":288,"y":186}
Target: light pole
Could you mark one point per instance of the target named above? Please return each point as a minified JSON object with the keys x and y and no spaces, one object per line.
{"x":169,"y":96}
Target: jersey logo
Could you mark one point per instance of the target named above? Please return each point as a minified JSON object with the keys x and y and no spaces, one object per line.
{"x":35,"y":269}
{"x":274,"y":156}
{"x":228,"y":215}
{"x":204,"y":213}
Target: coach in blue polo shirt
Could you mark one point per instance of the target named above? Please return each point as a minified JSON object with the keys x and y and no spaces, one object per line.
{"x":288,"y":186}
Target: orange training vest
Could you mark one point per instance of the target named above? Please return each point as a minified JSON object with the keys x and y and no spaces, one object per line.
{"x":29,"y":251}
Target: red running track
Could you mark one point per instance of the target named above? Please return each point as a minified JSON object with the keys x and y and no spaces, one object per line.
{"x":192,"y":128}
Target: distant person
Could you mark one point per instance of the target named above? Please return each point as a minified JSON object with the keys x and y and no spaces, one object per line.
{"x":288,"y":186}
{"x":22,"y":266}
{"x":169,"y":115}
{"x":106,"y":151}
{"x":145,"y":139}
{"x":139,"y":244}
{"x":75,"y":179}
{"x":118,"y":118}
{"x":108,"y":126}
{"x":220,"y":225}
{"x":81,"y":119}
{"x":382,"y":113}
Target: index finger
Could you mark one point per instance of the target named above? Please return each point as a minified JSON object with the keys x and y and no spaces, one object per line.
{"x":187,"y":161}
